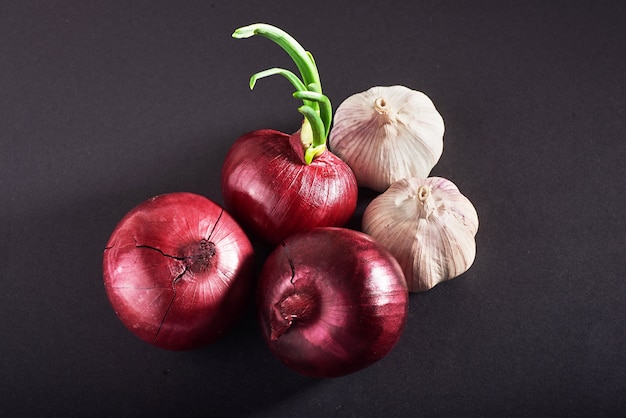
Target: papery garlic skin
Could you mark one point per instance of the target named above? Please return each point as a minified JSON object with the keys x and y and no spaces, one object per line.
{"x":429,"y":227}
{"x":387,"y":133}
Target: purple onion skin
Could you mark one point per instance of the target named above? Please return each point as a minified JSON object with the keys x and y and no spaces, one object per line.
{"x":178,"y":271}
{"x":331,"y":301}
{"x":273,"y":194}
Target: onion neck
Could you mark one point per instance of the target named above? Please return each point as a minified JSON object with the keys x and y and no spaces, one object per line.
{"x":316,"y":108}
{"x":306,"y":144}
{"x":296,"y":307}
{"x":198,"y":257}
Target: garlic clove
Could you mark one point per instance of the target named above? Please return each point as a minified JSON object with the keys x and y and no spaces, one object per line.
{"x":387,"y":133}
{"x":429,"y":227}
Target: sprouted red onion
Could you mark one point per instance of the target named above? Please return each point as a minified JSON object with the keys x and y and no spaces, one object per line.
{"x":277,"y":184}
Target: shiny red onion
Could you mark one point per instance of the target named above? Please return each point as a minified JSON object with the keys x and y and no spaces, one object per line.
{"x":177,"y":271}
{"x":273,"y":194}
{"x":331,"y":301}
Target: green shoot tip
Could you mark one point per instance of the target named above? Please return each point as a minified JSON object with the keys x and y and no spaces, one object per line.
{"x":245,"y":32}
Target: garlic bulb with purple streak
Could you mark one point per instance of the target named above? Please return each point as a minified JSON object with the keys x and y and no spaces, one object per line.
{"x":386,"y":134}
{"x":429,"y":227}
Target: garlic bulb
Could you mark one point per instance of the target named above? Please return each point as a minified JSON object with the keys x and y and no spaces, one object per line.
{"x":429,"y":227}
{"x":386,"y":134}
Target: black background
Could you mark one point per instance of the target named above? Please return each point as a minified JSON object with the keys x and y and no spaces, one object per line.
{"x":104,"y":104}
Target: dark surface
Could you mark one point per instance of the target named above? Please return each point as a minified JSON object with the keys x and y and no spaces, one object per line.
{"x":105,"y":104}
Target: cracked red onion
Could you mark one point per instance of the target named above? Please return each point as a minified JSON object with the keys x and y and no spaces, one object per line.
{"x":331,"y":301}
{"x":178,"y":271}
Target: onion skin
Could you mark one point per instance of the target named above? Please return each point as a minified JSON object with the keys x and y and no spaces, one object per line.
{"x":273,"y":194}
{"x":178,"y":271}
{"x":331,"y":301}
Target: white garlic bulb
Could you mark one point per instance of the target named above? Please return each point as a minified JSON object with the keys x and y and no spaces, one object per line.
{"x":386,"y":134}
{"x":429,"y":227}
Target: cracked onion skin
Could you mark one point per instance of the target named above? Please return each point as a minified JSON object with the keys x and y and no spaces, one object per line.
{"x":178,"y":271}
{"x":331,"y":301}
{"x":272,"y":193}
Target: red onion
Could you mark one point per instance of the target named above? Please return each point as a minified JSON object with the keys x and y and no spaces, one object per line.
{"x":277,"y":184}
{"x":331,"y":301}
{"x":274,"y":195}
{"x":177,"y":271}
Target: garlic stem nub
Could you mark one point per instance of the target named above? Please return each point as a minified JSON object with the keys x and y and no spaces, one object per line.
{"x":423,"y":192}
{"x":425,"y":202}
{"x":381,"y":106}
{"x":384,"y":112}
